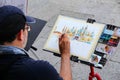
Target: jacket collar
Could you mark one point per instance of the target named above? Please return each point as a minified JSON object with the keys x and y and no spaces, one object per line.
{"x":11,"y":50}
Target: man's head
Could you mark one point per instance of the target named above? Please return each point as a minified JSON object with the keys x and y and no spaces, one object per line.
{"x":13,"y":26}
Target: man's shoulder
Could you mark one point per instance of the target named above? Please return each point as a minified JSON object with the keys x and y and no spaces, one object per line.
{"x":29,"y":62}
{"x":40,"y":68}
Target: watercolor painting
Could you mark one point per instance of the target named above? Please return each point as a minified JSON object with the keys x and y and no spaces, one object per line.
{"x":83,"y":36}
{"x":78,"y":34}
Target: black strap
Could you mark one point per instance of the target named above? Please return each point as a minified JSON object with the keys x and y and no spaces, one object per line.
{"x":7,"y":60}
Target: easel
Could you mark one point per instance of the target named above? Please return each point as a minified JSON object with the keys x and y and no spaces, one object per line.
{"x":93,"y":75}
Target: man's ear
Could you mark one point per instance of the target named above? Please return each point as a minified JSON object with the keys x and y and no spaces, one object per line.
{"x":20,"y":35}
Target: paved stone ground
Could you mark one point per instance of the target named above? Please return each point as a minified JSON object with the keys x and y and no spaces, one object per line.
{"x":103,"y":11}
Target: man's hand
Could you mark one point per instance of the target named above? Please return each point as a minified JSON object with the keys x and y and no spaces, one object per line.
{"x":64,"y":45}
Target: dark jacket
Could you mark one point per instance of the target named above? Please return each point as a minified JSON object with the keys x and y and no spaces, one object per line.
{"x":15,"y":64}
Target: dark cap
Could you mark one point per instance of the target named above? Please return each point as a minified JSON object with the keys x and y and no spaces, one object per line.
{"x":9,"y":10}
{"x":12,"y":20}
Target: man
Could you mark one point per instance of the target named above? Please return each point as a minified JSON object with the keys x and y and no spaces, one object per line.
{"x":15,"y":64}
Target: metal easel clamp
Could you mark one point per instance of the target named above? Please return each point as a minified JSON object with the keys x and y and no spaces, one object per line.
{"x":90,"y":20}
{"x":74,"y":58}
